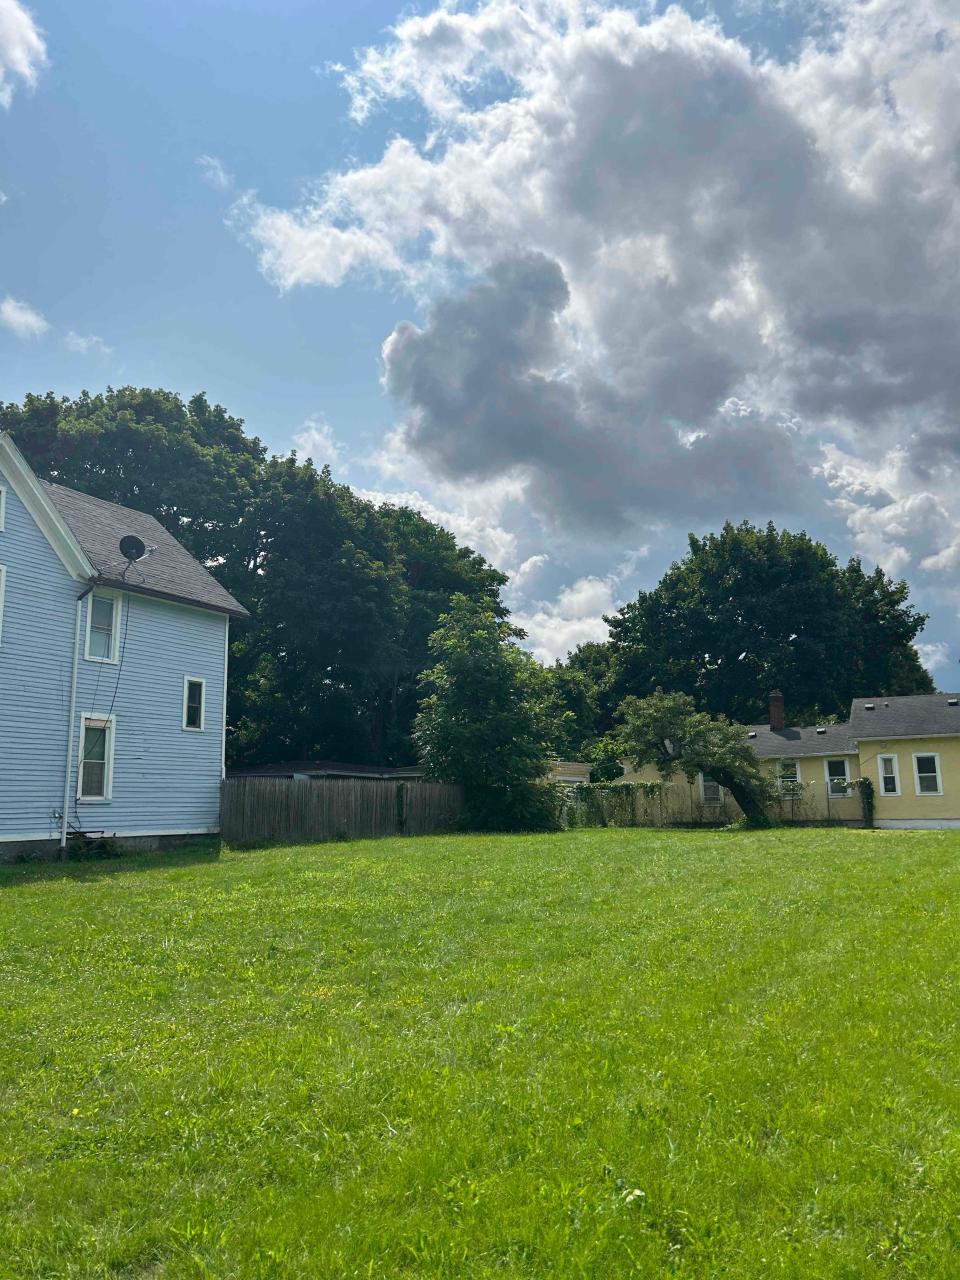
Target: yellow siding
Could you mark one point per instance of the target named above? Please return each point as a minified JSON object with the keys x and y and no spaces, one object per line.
{"x":682,"y":801}
{"x":909,"y":806}
{"x":569,"y":771}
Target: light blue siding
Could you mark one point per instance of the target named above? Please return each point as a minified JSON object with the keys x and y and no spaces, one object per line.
{"x":165,"y":779}
{"x":36,"y":643}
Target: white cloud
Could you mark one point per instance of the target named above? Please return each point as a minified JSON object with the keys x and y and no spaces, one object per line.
{"x":556,"y":627}
{"x":520,"y":578}
{"x":735,"y":256}
{"x":3,"y":198}
{"x":477,"y":527}
{"x":85,"y":344}
{"x":934,"y":656}
{"x":23,"y":53}
{"x":316,"y":440}
{"x":215,"y":172}
{"x":21,"y":319}
{"x":661,"y":278}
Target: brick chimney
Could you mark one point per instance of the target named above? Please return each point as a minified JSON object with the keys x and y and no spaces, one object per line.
{"x":776,"y":710}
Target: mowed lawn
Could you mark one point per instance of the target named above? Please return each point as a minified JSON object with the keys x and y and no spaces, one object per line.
{"x":596,"y":1054}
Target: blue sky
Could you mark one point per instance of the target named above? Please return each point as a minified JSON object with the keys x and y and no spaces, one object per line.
{"x":702,"y":374}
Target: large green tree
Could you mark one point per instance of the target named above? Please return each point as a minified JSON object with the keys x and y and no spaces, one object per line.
{"x":190,"y":463}
{"x":666,"y":730}
{"x":433,"y":569}
{"x":328,"y":598}
{"x":343,"y":594}
{"x":481,"y":721}
{"x":750,"y":609}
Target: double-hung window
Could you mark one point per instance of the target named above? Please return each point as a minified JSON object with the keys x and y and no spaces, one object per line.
{"x":95,"y":777}
{"x":788,"y":777}
{"x":837,"y":774}
{"x":709,"y":790}
{"x":926,"y":771}
{"x":194,"y":698}
{"x":103,"y":629}
{"x":889,"y":768}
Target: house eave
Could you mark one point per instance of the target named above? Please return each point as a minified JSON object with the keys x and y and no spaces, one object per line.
{"x":118,"y":584}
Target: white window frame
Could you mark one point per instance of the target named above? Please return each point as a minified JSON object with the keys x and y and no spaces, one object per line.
{"x":703,"y":796}
{"x":187,"y":682}
{"x":889,"y":755}
{"x":114,"y":657}
{"x":3,"y":507}
{"x":916,"y":773}
{"x":780,"y":778}
{"x":845,"y":761}
{"x":3,"y":595}
{"x":87,"y":720}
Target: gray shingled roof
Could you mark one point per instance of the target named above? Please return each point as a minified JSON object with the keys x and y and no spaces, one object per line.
{"x":169,"y":571}
{"x":919,"y":715}
{"x":769,"y":744}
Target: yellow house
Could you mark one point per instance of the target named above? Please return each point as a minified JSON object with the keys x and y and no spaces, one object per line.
{"x":909,"y":747}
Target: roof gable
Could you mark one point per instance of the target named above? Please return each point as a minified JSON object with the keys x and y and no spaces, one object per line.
{"x":48,"y":519}
{"x":168,"y":571}
{"x":85,"y":533}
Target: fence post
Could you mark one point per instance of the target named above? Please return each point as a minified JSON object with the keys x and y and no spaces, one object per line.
{"x":401,"y":808}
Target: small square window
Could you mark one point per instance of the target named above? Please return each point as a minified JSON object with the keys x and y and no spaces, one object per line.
{"x":193,"y":709}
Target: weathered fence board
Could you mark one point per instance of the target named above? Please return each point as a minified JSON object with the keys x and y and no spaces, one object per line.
{"x":267,"y":810}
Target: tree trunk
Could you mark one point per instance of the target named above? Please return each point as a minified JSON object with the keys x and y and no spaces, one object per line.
{"x":753,"y":806}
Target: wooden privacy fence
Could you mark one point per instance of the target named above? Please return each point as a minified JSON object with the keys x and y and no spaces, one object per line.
{"x":267,"y":810}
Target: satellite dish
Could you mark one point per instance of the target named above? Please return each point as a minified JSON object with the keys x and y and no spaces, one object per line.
{"x":132,"y":548}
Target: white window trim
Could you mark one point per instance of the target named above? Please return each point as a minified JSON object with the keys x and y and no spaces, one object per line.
{"x":916,"y":774}
{"x":3,"y":594}
{"x":110,"y":724}
{"x":187,"y":681}
{"x":836,"y":795}
{"x":703,"y":797}
{"x":115,"y":653}
{"x":780,"y":778}
{"x":889,"y":755}
{"x":3,"y":507}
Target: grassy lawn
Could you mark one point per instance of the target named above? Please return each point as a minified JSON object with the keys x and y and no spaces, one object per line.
{"x":598,"y":1054}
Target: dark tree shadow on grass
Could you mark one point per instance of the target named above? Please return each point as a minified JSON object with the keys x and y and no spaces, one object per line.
{"x":99,"y":866}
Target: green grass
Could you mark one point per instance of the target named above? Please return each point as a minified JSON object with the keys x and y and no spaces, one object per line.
{"x":599,"y":1054}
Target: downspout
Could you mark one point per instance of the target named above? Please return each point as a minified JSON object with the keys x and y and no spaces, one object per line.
{"x":68,"y":770}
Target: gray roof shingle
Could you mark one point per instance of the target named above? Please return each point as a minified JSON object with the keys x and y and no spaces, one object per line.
{"x":828,"y":740}
{"x":170,"y":571}
{"x":916,"y":716}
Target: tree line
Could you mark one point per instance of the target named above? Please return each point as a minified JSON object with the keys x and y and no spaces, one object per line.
{"x":345,"y":596}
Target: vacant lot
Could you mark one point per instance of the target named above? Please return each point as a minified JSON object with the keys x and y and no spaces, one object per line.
{"x":595,"y":1054}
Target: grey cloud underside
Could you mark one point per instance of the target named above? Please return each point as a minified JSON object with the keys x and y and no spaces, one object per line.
{"x":481,"y":404}
{"x":657,"y":222}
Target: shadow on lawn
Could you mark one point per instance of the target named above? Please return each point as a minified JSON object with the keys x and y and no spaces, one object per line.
{"x":99,"y":866}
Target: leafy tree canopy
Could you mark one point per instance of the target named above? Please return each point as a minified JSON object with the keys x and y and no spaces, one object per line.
{"x":344,"y":594}
{"x":750,"y":609}
{"x":189,"y":464}
{"x":481,"y":720}
{"x":666,"y":730}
